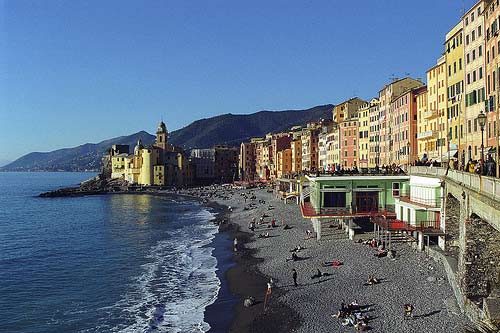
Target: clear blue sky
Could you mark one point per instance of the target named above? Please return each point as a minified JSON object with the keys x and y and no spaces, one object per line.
{"x":83,"y":71}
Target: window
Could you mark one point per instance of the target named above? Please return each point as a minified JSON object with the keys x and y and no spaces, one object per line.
{"x":395,"y":189}
{"x":480,"y":50}
{"x":473,"y":55}
{"x":467,"y":58}
{"x":480,"y":72}
{"x":472,"y":17}
{"x":334,"y":199}
{"x":466,"y":21}
{"x":460,"y":64}
{"x":473,"y":36}
{"x":467,"y":40}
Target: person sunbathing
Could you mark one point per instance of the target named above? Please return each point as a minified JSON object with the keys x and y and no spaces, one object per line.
{"x":297,"y":249}
{"x":334,"y":263}
{"x":294,"y":257}
{"x":381,"y":253}
{"x":266,"y":235}
{"x":372,"y":280}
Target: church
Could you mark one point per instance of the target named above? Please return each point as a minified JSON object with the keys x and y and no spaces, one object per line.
{"x":160,"y":164}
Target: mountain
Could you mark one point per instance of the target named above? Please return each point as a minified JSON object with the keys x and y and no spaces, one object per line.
{"x":226,"y":129}
{"x":86,"y":157}
{"x":233,"y":129}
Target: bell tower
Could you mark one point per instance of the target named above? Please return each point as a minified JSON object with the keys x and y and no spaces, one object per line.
{"x":162,"y":137}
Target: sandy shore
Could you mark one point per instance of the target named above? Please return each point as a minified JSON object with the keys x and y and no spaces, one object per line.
{"x":410,"y":278}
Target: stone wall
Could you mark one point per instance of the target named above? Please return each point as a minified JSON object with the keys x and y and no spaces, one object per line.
{"x":452,"y":226}
{"x":481,"y":259}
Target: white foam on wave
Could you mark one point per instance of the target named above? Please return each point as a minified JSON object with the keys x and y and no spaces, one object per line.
{"x":177,"y":284}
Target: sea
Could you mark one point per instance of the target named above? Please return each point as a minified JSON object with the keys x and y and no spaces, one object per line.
{"x":107,"y":263}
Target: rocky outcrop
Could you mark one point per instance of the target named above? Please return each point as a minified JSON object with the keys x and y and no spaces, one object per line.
{"x":96,"y":185}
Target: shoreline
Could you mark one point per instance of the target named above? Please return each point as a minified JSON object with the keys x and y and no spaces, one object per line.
{"x":315,"y":301}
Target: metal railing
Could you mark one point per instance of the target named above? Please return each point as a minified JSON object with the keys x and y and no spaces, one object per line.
{"x":412,"y":199}
{"x":483,"y":184}
{"x":393,"y":224}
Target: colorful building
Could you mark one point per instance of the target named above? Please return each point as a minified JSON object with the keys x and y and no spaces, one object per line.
{"x":159,"y":164}
{"x":432,"y":118}
{"x":491,"y":21}
{"x":349,"y":154}
{"x":374,"y":134}
{"x":350,"y":199}
{"x":247,"y":160}
{"x":310,"y":146}
{"x":346,"y":109}
{"x":364,"y":135}
{"x":386,"y":121}
{"x":454,"y":53}
{"x":404,"y":114}
{"x":475,"y":77}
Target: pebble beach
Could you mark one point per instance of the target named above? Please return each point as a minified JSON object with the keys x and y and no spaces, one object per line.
{"x":410,"y":277}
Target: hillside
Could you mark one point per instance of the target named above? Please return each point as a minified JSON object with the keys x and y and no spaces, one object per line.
{"x":86,"y":157}
{"x":233,"y":129}
{"x":226,"y":129}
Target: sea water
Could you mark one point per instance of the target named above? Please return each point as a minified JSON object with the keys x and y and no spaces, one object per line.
{"x":106,"y":263}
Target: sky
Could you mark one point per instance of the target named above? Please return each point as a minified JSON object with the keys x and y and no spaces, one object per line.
{"x":73,"y":72}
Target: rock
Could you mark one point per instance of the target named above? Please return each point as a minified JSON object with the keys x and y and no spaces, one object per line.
{"x":249,"y":301}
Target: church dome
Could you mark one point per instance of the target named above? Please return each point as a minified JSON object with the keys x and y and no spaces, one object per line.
{"x":162,"y":128}
{"x":138,"y":146}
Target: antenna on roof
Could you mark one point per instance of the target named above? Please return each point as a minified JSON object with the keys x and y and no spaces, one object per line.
{"x":393,"y":77}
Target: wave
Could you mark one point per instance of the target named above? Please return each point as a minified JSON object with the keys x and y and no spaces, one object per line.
{"x":177,"y":283}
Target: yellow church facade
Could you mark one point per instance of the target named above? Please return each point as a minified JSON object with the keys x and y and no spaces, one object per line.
{"x":160,"y":164}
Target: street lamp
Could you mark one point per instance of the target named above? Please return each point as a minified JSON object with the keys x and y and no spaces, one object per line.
{"x":449,"y":145}
{"x":408,"y":152}
{"x":481,"y":119}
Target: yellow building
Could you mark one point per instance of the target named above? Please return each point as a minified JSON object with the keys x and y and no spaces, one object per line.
{"x":432,"y":116}
{"x":454,"y":52}
{"x":296,"y":155}
{"x":374,"y":134}
{"x":347,"y":109}
{"x":159,"y":164}
{"x":284,"y":162}
{"x":364,"y":134}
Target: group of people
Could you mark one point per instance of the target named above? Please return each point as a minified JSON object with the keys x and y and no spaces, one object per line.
{"x":485,"y":168}
{"x":352,"y":315}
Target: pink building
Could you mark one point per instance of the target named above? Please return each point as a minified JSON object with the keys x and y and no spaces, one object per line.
{"x":349,"y":154}
{"x":404,"y":127}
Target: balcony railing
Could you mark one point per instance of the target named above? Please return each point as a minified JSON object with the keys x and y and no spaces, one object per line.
{"x":425,"y":135}
{"x":412,"y":199}
{"x":489,"y":186}
{"x":398,"y":225}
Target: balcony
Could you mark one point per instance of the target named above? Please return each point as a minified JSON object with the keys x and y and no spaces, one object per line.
{"x":431,"y":115}
{"x":422,"y":202}
{"x":427,"y":227}
{"x":427,"y":135}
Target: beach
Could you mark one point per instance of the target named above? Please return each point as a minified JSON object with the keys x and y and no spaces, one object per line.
{"x":411,"y":277}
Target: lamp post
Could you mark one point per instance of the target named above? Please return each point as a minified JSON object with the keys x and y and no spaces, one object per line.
{"x":449,"y":144}
{"x":481,"y":119}
{"x":408,"y":152}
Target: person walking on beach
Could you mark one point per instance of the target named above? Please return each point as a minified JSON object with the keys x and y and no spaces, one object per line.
{"x":235,"y":242}
{"x":294,"y":275}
